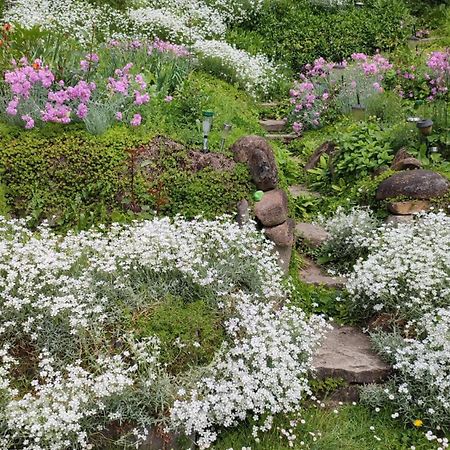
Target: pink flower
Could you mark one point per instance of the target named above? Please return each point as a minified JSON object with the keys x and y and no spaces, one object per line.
{"x":136,"y":120}
{"x":141,"y":99}
{"x":168,"y":98}
{"x":82,"y":111}
{"x":29,"y":122}
{"x":119,"y":115}
{"x":297,"y":127}
{"x":12,"y":107}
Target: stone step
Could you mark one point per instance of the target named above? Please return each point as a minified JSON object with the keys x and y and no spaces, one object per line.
{"x":300,"y":190}
{"x":272,"y":125}
{"x":311,"y":273}
{"x":347,"y":353}
{"x":281,"y":137}
{"x":313,"y":235}
{"x":267,"y":105}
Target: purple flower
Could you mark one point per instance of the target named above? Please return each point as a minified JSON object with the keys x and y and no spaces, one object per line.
{"x":136,"y":120}
{"x":82,"y":111}
{"x":29,"y":122}
{"x":12,"y":107}
{"x":168,"y":98}
{"x":141,"y":99}
{"x":119,"y":115}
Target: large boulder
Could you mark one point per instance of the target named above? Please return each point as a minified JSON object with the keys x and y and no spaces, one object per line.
{"x":409,"y":207}
{"x":258,"y":155}
{"x":272,"y":209}
{"x":314,"y":235}
{"x":421,"y":184}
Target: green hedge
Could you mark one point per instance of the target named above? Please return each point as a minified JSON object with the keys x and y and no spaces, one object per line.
{"x":297,"y":32}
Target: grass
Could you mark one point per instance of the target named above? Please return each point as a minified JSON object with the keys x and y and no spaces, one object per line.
{"x":325,"y":429}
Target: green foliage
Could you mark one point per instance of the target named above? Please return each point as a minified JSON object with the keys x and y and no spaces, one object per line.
{"x":362,"y":148}
{"x":179,"y":325}
{"x":326,"y":386}
{"x":298,"y":32}
{"x":207,"y":192}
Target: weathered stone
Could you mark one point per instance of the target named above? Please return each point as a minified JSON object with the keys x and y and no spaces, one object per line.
{"x":257,"y":153}
{"x":379,"y":170}
{"x":311,"y":273}
{"x":285,"y":138}
{"x":313,"y":235}
{"x":273,"y":126}
{"x":347,"y":353}
{"x":300,"y":190}
{"x":243,"y":212}
{"x":327,"y":148}
{"x":272,"y":210}
{"x":398,"y":220}
{"x":420,"y":184}
{"x":409,"y":207}
{"x":263,"y":172}
{"x":284,"y":257}
{"x":404,"y":161}
{"x":282,"y":235}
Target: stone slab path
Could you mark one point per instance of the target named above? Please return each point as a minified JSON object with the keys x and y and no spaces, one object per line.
{"x":346,"y":353}
{"x":311,"y":273}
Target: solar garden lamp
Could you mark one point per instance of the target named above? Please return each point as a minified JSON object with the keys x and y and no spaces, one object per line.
{"x":225,"y":133}
{"x":207,"y":125}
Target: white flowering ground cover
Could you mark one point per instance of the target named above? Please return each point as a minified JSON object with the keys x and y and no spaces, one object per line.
{"x":198,"y":24}
{"x":72,"y":367}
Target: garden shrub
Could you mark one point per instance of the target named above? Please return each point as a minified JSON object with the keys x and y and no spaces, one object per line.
{"x":297,"y":33}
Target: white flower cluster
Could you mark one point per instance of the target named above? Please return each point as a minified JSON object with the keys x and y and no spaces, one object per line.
{"x":407,"y":271}
{"x":349,"y":232}
{"x":196,"y":22}
{"x":77,"y":18}
{"x":263,"y":373}
{"x":61,"y":296}
{"x":255,"y":74}
{"x":52,"y":415}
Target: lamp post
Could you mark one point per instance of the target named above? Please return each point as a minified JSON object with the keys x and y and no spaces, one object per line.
{"x":225,"y":132}
{"x":207,"y":125}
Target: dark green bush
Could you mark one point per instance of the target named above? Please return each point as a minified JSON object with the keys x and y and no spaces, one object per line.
{"x":297,"y":32}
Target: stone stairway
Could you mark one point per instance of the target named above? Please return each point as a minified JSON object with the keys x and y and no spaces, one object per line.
{"x":276,"y":130}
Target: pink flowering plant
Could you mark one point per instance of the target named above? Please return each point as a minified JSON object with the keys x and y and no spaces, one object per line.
{"x":100,"y":91}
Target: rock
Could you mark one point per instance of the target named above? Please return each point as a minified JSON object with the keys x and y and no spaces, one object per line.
{"x":347,"y":353}
{"x":273,"y":126}
{"x":409,"y":207}
{"x":397,"y":220}
{"x":264,"y":173}
{"x":327,"y":148}
{"x":285,"y":138}
{"x":284,"y":257}
{"x":314,"y":235}
{"x":258,"y":155}
{"x":243,"y":212}
{"x":272,"y":210}
{"x":282,"y":235}
{"x":311,"y":273}
{"x":420,"y":184}
{"x":300,"y":190}
{"x":404,"y":161}
{"x":379,"y":170}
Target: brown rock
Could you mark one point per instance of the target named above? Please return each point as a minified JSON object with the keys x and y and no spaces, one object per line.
{"x":420,"y":184}
{"x":284,"y":257}
{"x":273,"y":126}
{"x":282,"y":235}
{"x":243,"y":212}
{"x":272,"y":209}
{"x":405,"y":161}
{"x":257,"y":153}
{"x":397,"y":220}
{"x":347,"y":353}
{"x":409,"y":207}
{"x":314,"y":235}
{"x":311,"y":273}
{"x":327,"y":148}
